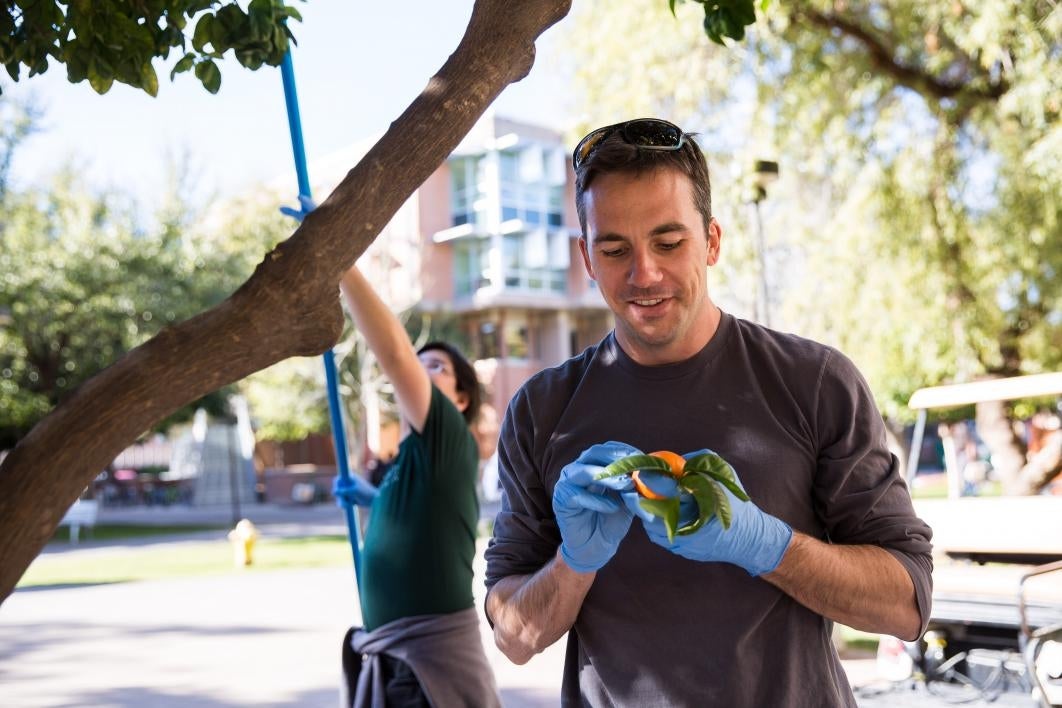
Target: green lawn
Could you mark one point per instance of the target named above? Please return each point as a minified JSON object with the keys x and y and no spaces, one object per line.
{"x":115,"y":532}
{"x":183,"y":560}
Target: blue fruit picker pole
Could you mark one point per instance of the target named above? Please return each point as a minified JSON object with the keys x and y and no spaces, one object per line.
{"x":287,"y":71}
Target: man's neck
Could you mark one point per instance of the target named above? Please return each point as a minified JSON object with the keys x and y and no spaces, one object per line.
{"x":682,"y":348}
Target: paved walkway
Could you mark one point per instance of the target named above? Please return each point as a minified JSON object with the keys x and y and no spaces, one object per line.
{"x":263,"y":639}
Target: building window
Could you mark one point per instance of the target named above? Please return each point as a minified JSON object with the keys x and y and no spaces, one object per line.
{"x":471,"y":265}
{"x":518,"y":342}
{"x":532,"y":261}
{"x":487,"y":341}
{"x":467,"y":194}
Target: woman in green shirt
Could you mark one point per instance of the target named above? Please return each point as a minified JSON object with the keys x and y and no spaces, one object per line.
{"x":421,"y":629}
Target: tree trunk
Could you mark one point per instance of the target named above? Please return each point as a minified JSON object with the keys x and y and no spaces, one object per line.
{"x":898,"y":444}
{"x":289,"y":306}
{"x":996,"y":429}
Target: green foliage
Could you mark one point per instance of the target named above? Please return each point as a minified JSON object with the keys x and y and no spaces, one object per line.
{"x":104,"y":42}
{"x":916,"y":221}
{"x":81,"y":283}
{"x":726,"y":18}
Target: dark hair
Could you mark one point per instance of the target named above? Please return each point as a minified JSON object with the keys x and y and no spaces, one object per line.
{"x":616,"y":155}
{"x":467,"y":381}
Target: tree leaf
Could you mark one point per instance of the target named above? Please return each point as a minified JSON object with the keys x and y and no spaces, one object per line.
{"x":184,"y":64}
{"x":718,"y":469}
{"x":626,"y":465}
{"x":149,"y":80}
{"x":699,"y":487}
{"x":666,"y":509}
{"x":203,"y":32}
{"x":209,"y":74}
{"x":100,"y":84}
{"x":722,"y":503}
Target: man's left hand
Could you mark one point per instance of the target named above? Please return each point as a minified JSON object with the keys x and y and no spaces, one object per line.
{"x":755,"y":541}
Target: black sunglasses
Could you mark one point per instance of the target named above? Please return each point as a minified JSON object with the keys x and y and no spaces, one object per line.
{"x":647,"y":133}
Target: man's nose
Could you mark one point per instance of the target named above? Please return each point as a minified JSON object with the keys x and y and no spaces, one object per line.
{"x":644,"y":271}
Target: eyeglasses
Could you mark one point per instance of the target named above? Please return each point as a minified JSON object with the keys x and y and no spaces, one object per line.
{"x":436,"y":366}
{"x":646,"y":133}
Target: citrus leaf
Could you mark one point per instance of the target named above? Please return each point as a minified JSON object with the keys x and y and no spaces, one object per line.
{"x":626,"y":465}
{"x":666,"y":509}
{"x":718,"y":469}
{"x":722,"y":503}
{"x":149,"y":80}
{"x":700,"y":487}
{"x":209,"y":74}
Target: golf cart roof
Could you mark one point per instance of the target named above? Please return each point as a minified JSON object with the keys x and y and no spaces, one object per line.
{"x":1033,"y":386}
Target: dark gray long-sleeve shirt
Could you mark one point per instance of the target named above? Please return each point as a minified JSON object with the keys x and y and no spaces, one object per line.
{"x":798,"y":423}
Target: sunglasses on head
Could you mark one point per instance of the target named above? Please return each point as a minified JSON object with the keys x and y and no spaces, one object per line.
{"x":645,"y":133}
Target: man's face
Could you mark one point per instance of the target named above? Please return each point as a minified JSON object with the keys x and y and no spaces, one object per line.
{"x":646,"y":247}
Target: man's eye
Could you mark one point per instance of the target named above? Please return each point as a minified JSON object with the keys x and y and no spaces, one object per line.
{"x":669,"y":246}
{"x":612,"y":252}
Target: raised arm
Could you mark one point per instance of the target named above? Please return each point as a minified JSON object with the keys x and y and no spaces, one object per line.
{"x":390,"y":344}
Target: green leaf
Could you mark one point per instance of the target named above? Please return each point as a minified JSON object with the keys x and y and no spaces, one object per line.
{"x":626,"y":465}
{"x":671,"y":5}
{"x":666,"y":509}
{"x":744,"y":13}
{"x":184,"y":64}
{"x":202,"y":34}
{"x":722,"y":504}
{"x":149,"y":80}
{"x":208,"y":73}
{"x":718,"y":469}
{"x":701,"y":488}
{"x":99,"y":83}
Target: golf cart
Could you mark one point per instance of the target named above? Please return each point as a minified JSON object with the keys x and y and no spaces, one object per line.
{"x":996,"y":624}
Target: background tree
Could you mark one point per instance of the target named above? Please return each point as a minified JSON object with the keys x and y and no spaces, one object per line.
{"x":916,"y":224}
{"x":82,"y":283}
{"x":287,"y":308}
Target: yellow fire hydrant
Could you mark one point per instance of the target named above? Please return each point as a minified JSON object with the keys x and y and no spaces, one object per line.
{"x":243,"y":538}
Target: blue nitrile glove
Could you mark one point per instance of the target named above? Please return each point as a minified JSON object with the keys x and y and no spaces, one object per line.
{"x":353,"y":490}
{"x":755,"y":541}
{"x":591,"y":517}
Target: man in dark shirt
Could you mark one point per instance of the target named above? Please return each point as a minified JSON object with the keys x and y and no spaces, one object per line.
{"x":740,"y":617}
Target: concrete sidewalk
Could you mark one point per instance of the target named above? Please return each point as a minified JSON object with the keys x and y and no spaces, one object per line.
{"x":264,"y":639}
{"x":242,"y":639}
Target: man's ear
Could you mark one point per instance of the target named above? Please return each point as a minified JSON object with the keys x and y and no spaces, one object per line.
{"x":586,"y":256}
{"x":715,"y":238}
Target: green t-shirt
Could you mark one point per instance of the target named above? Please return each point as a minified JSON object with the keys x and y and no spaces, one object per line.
{"x":421,"y":538}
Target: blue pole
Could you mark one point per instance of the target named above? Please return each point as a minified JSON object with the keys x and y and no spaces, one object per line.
{"x":287,"y":72}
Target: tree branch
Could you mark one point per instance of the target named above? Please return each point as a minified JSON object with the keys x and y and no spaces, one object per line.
{"x":916,"y":78}
{"x":289,"y":306}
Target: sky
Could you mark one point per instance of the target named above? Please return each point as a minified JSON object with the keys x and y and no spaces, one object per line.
{"x":358,"y":65}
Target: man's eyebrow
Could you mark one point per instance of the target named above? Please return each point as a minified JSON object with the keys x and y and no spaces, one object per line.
{"x":668,"y":228}
{"x":608,"y":237}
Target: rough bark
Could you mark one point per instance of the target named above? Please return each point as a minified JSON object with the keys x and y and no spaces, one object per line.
{"x":289,"y":306}
{"x":995,"y":425}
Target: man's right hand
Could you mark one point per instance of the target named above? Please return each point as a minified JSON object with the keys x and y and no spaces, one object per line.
{"x":591,"y":516}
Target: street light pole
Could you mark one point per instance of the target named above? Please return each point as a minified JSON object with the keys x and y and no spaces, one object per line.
{"x":766,"y":171}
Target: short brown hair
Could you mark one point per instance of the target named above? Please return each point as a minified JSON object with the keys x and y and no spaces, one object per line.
{"x":616,"y":155}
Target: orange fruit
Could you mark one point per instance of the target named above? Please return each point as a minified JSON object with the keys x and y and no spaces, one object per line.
{"x":675,"y":461}
{"x":643,"y":488}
